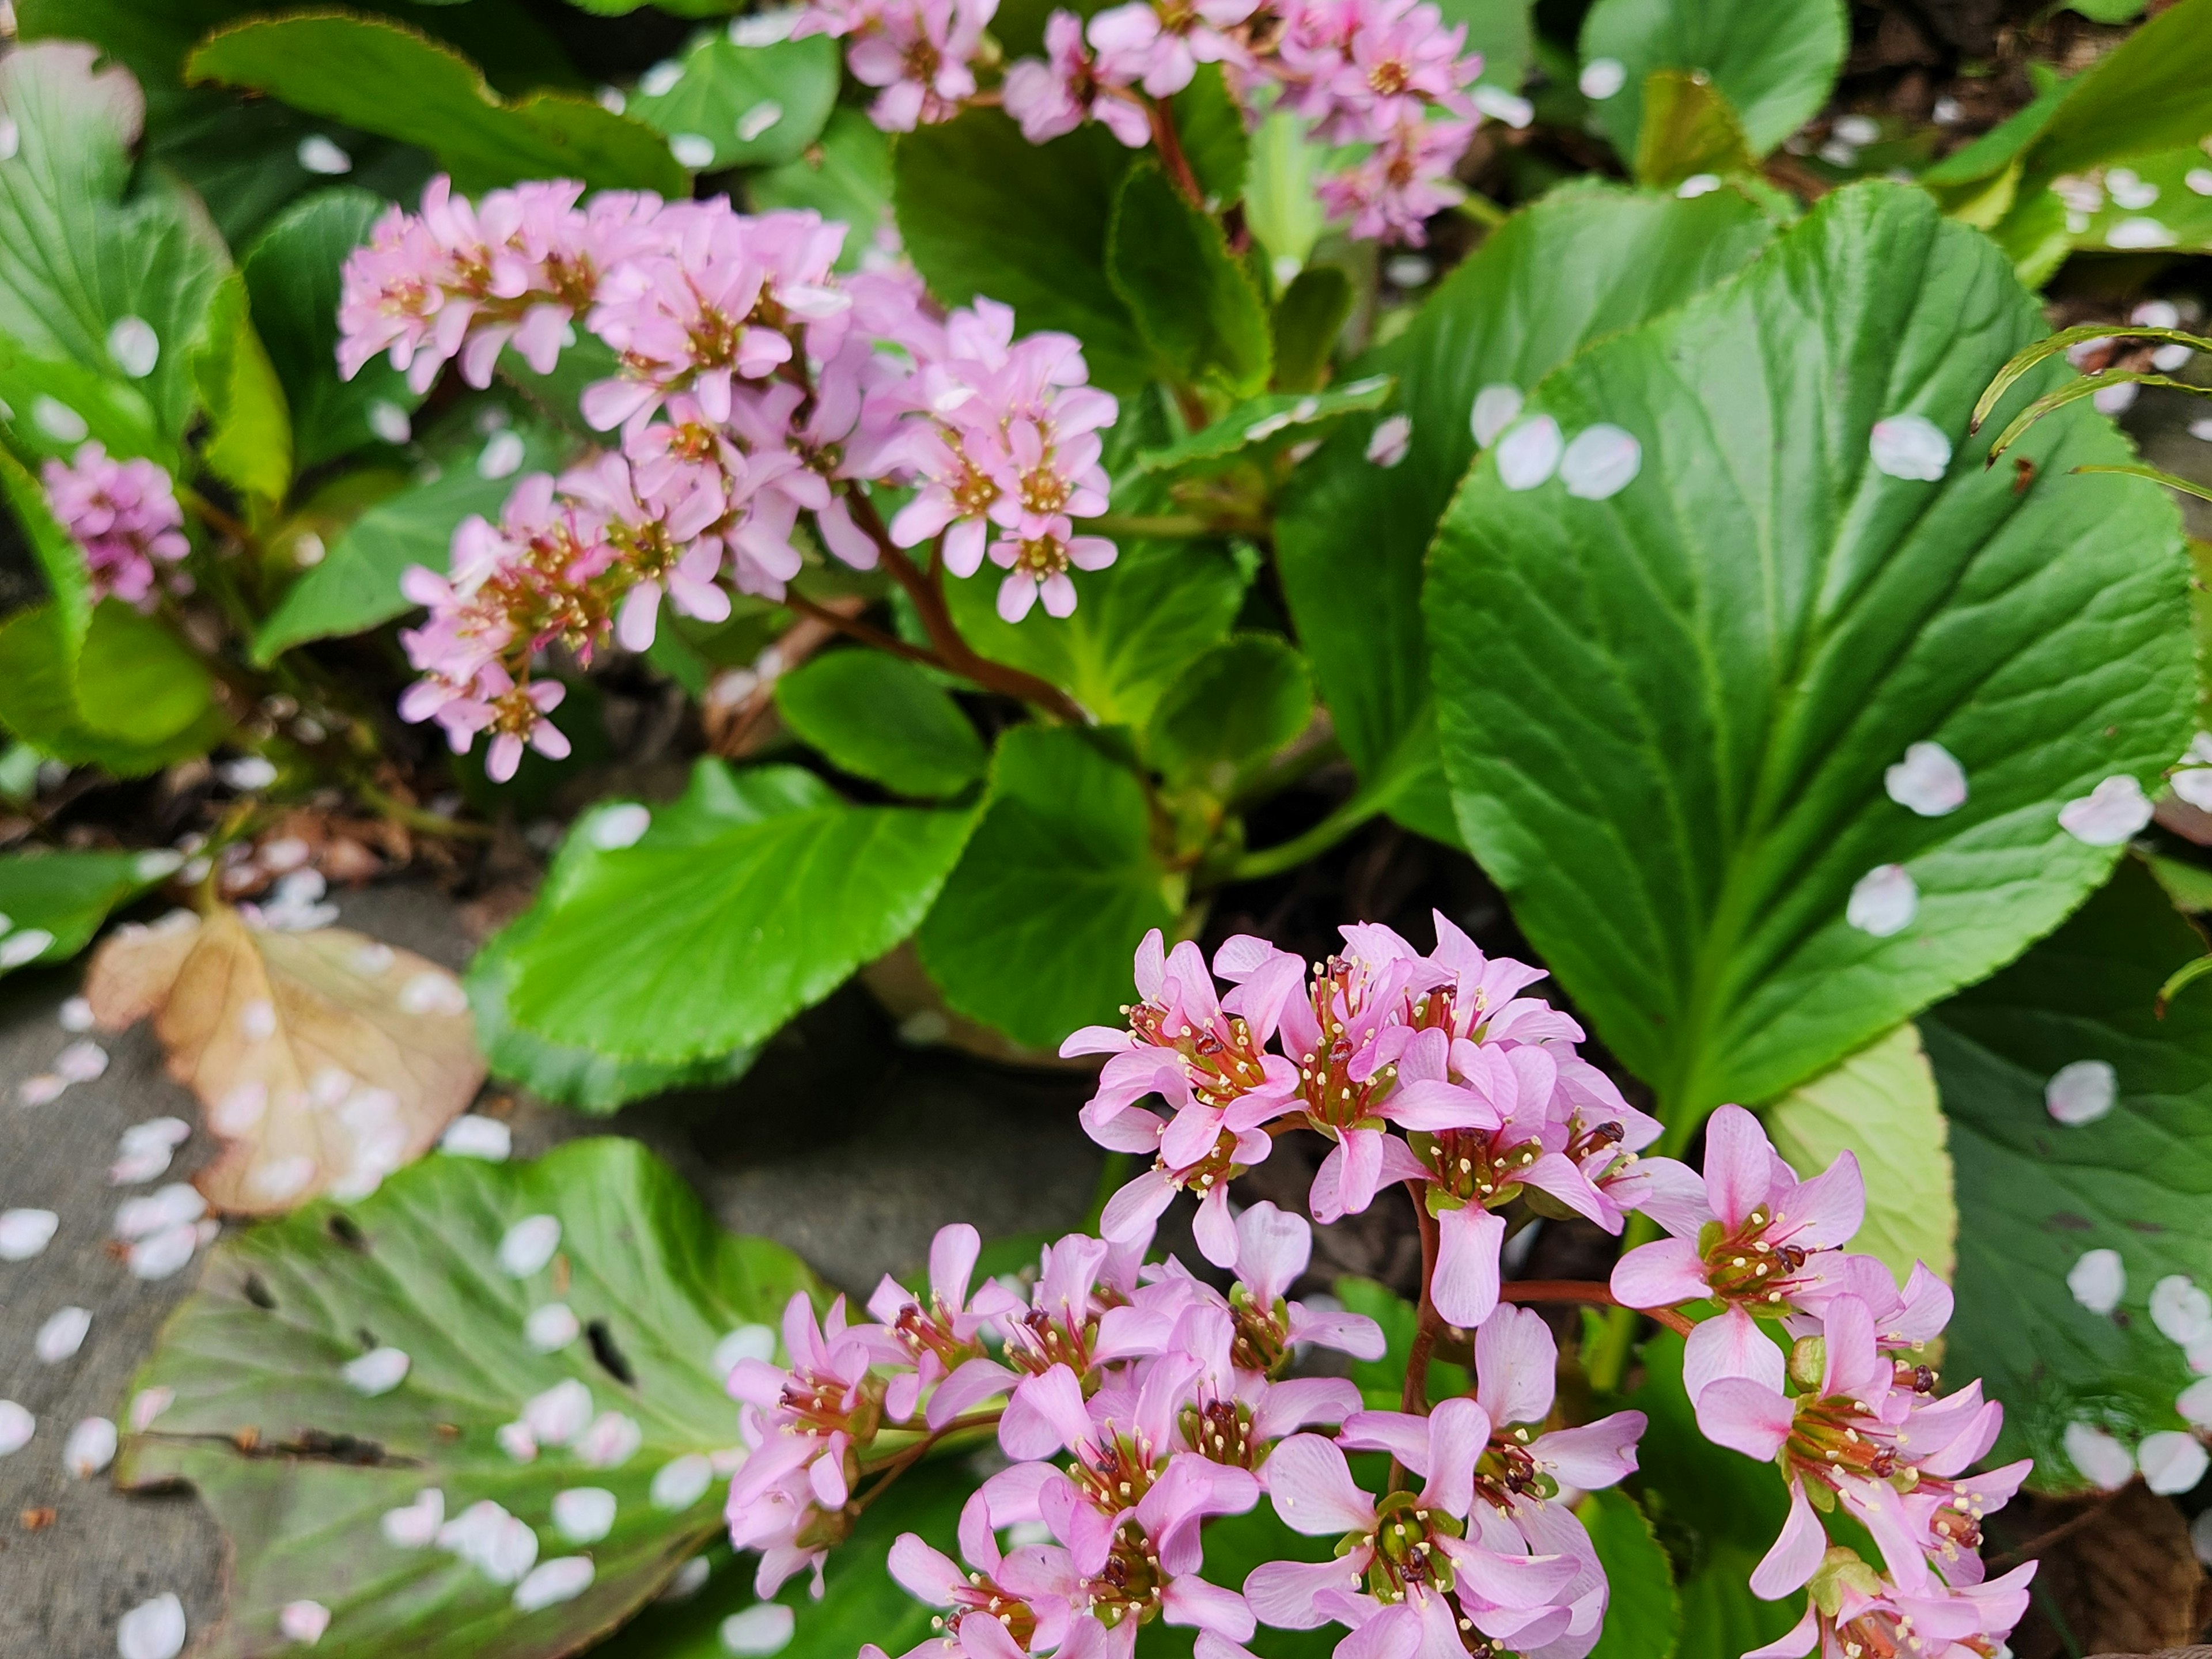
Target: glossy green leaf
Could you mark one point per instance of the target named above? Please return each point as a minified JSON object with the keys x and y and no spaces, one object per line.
{"x":138,"y":680}
{"x":1880,"y":1105}
{"x":2148,"y":94}
{"x":1140,"y":622}
{"x":60,"y":559}
{"x":1307,"y":321}
{"x":39,"y":690}
{"x":1036,"y":927}
{"x":747,"y":106}
{"x":1688,"y":129}
{"x":2189,"y":885}
{"x":249,"y":439}
{"x":1351,"y":537}
{"x":87,"y":278}
{"x":982,"y":211}
{"x":1642,"y":1615}
{"x":1194,"y":304}
{"x":1773,"y":60}
{"x":1209,"y":126}
{"x":1679,"y":791}
{"x":845,"y":175}
{"x":883,"y":719}
{"x":1271,"y":421}
{"x":2072,"y":1026}
{"x":1282,"y":207}
{"x":66,"y":896}
{"x":355,"y":585}
{"x":1228,"y":712}
{"x":384,"y":77}
{"x":1501,"y":31}
{"x":301,"y":1468}
{"x":689,"y":945}
{"x":292,"y":274}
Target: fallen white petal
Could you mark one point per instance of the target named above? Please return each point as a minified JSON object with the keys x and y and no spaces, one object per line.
{"x":1501,"y":105}
{"x":584,"y":1515}
{"x":2098,"y":1280}
{"x":1883,"y":901}
{"x":559,"y":1415}
{"x":661,"y":80}
{"x":43,"y":1089}
{"x":2172,"y":1461}
{"x":1601,"y":77}
{"x":152,"y":1630}
{"x":2115,"y":399}
{"x":304,"y":1621}
{"x":2140,"y":233}
{"x":2194,"y":1402}
{"x":58,"y":420}
{"x":156,"y":1132}
{"x":1392,"y":436}
{"x":62,"y":1335}
{"x":746,"y":1342}
{"x":1529,"y":453}
{"x":2181,"y":1309}
{"x":2103,"y":1461}
{"x":610,"y":1441}
{"x":1928,"y":780}
{"x":378,"y":1371}
{"x":692,"y":150}
{"x":159,"y":1255}
{"x":282,"y":1179}
{"x":758,"y":120}
{"x":1602,"y":461}
{"x":2115,"y":810}
{"x":1496,"y":407}
{"x":689,"y":1580}
{"x":317,"y":155}
{"x":82,"y":1061}
{"x":147,"y":1404}
{"x":561,"y":1579}
{"x":24,"y":944}
{"x":172,"y":1206}
{"x":760,"y":1630}
{"x":415,"y":1526}
{"x":134,"y":347}
{"x":619,"y":826}
{"x":474,"y":1135}
{"x":2081,"y":1091}
{"x":1909,"y":446}
{"x":551,"y":1328}
{"x":75,"y":1015}
{"x":138,"y":1164}
{"x":679,"y":1485}
{"x":516,"y":1440}
{"x":433,"y":992}
{"x":16,"y":1428}
{"x":24,"y":1233}
{"x":502,"y":456}
{"x":1697,"y":185}
{"x":90,"y":1448}
{"x":529,"y":1245}
{"x":2194,"y":785}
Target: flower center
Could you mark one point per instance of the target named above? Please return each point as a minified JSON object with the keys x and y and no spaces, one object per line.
{"x":1129,"y":1585}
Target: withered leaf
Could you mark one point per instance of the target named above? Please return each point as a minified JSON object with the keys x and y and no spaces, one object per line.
{"x":325,"y":1060}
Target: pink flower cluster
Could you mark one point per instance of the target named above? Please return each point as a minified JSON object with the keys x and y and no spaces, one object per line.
{"x":123,"y":514}
{"x":919,"y":53}
{"x":755,"y":385}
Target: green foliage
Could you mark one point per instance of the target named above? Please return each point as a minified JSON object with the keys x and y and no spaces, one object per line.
{"x":1773,"y":60}
{"x":256,"y":1358}
{"x":846,"y":176}
{"x":753,"y":105}
{"x":1688,"y":129}
{"x":1351,"y":536}
{"x":1227,"y":713}
{"x":249,"y":439}
{"x":1383,"y":1382}
{"x":1642,"y":1615}
{"x":386,"y":77}
{"x":1271,"y":421}
{"x":60,"y":559}
{"x":1035,"y":930}
{"x":1194,"y":306}
{"x":1501,"y":31}
{"x":126,"y":697}
{"x":759,"y":900}
{"x":1306,"y":322}
{"x":883,"y":719}
{"x":2037,"y":1192}
{"x":983,"y":211}
{"x":1679,"y":791}
{"x":1209,"y":126}
{"x":66,"y":896}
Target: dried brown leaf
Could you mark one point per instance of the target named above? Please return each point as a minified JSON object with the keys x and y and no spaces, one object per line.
{"x":2118,"y":1570}
{"x":323,"y":1060}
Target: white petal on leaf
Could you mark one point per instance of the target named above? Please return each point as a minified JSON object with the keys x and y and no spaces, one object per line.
{"x":303,"y":1622}
{"x":1496,"y":407}
{"x":1909,"y":446}
{"x":682,"y":1483}
{"x":612,"y":1441}
{"x":758,"y":120}
{"x":2081,"y":1091}
{"x":746,"y":1342}
{"x":529,"y":1245}
{"x":415,"y":1526}
{"x":559,"y":1414}
{"x":2181,"y":1309}
{"x":1602,"y":461}
{"x":693,"y":150}
{"x":2109,"y":814}
{"x":1601,"y":77}
{"x":2102,"y":1460}
{"x":2172,"y":1461}
{"x":1529,"y":453}
{"x":551,"y":1328}
{"x":378,"y":1371}
{"x":584,"y":1515}
{"x":1883,"y":901}
{"x":1928,"y":780}
{"x":1387,"y":444}
{"x":760,"y":1631}
{"x":2098,"y":1280}
{"x":561,"y":1579}
{"x":474,"y":1135}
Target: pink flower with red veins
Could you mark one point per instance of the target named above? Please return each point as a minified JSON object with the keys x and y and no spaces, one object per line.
{"x":812,"y":1415}
{"x":1007,"y":1605}
{"x":1055,"y":95}
{"x":942,"y":1332}
{"x":1404,"y":1562}
{"x":123,"y":514}
{"x":1274,"y":1250}
{"x":1860,"y":1422}
{"x":1391,"y":195}
{"x":1764,"y":1246}
{"x":919,"y":53}
{"x":1853,"y":1612}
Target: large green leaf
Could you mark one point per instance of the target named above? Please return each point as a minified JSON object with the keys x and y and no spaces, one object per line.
{"x":2168,"y":205}
{"x":1269,"y":423}
{"x":292,"y":274}
{"x":1773,"y":60}
{"x":248,"y":443}
{"x":1880,"y":1106}
{"x":751,"y":105}
{"x":303,"y":1467}
{"x":126,"y":697}
{"x":1140,"y":622}
{"x":2151,"y":93}
{"x":983,"y":211}
{"x":66,"y":896}
{"x":355,"y":585}
{"x":706,"y":938}
{"x":845,"y":175}
{"x":1351,"y":537}
{"x":86,"y":278}
{"x":1195,"y":306}
{"x":882,"y":718}
{"x":1500,"y":31}
{"x":2074,"y":1025}
{"x":1669,"y":714}
{"x":1228,"y":713}
{"x":1037,"y":924}
{"x":384,"y":77}
{"x":1642,"y":1615}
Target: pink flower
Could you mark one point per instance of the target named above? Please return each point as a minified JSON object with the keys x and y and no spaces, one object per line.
{"x":920,"y":52}
{"x":123,"y":514}
{"x":1391,"y":195}
{"x":942,"y":1336}
{"x":1854,"y":1613}
{"x":1016,"y":1604}
{"x":1057,"y":94}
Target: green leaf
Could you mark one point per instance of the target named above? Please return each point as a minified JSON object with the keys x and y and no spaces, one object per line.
{"x":1281,"y":205}
{"x":1271,"y":421}
{"x":883,"y":719}
{"x":1382,"y":1382}
{"x":1642,"y":1615}
{"x":1228,"y":712}
{"x":2189,"y":885}
{"x":1688,"y":129}
{"x":1679,"y":790}
{"x":249,"y":440}
{"x":386,"y":77}
{"x":2178,"y":221}
{"x":293,"y":276}
{"x":2148,"y":94}
{"x":76,"y":261}
{"x":1351,"y":537}
{"x":301,"y":1467}
{"x":1500,"y":31}
{"x":1306,"y":322}
{"x":706,"y":939}
{"x":60,"y":560}
{"x":1880,"y":1105}
{"x":2037,"y":1192}
{"x":139,"y":681}
{"x":1236,"y":1545}
{"x":39,"y":691}
{"x":1140,"y":622}
{"x":1210,"y":125}
{"x":66,"y":896}
{"x":750,"y":106}
{"x":845,"y":175}
{"x":1193,"y":302}
{"x":356,"y":586}
{"x":1773,"y":60}
{"x":1036,"y":927}
{"x":54,"y":405}
{"x":983,"y":211}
